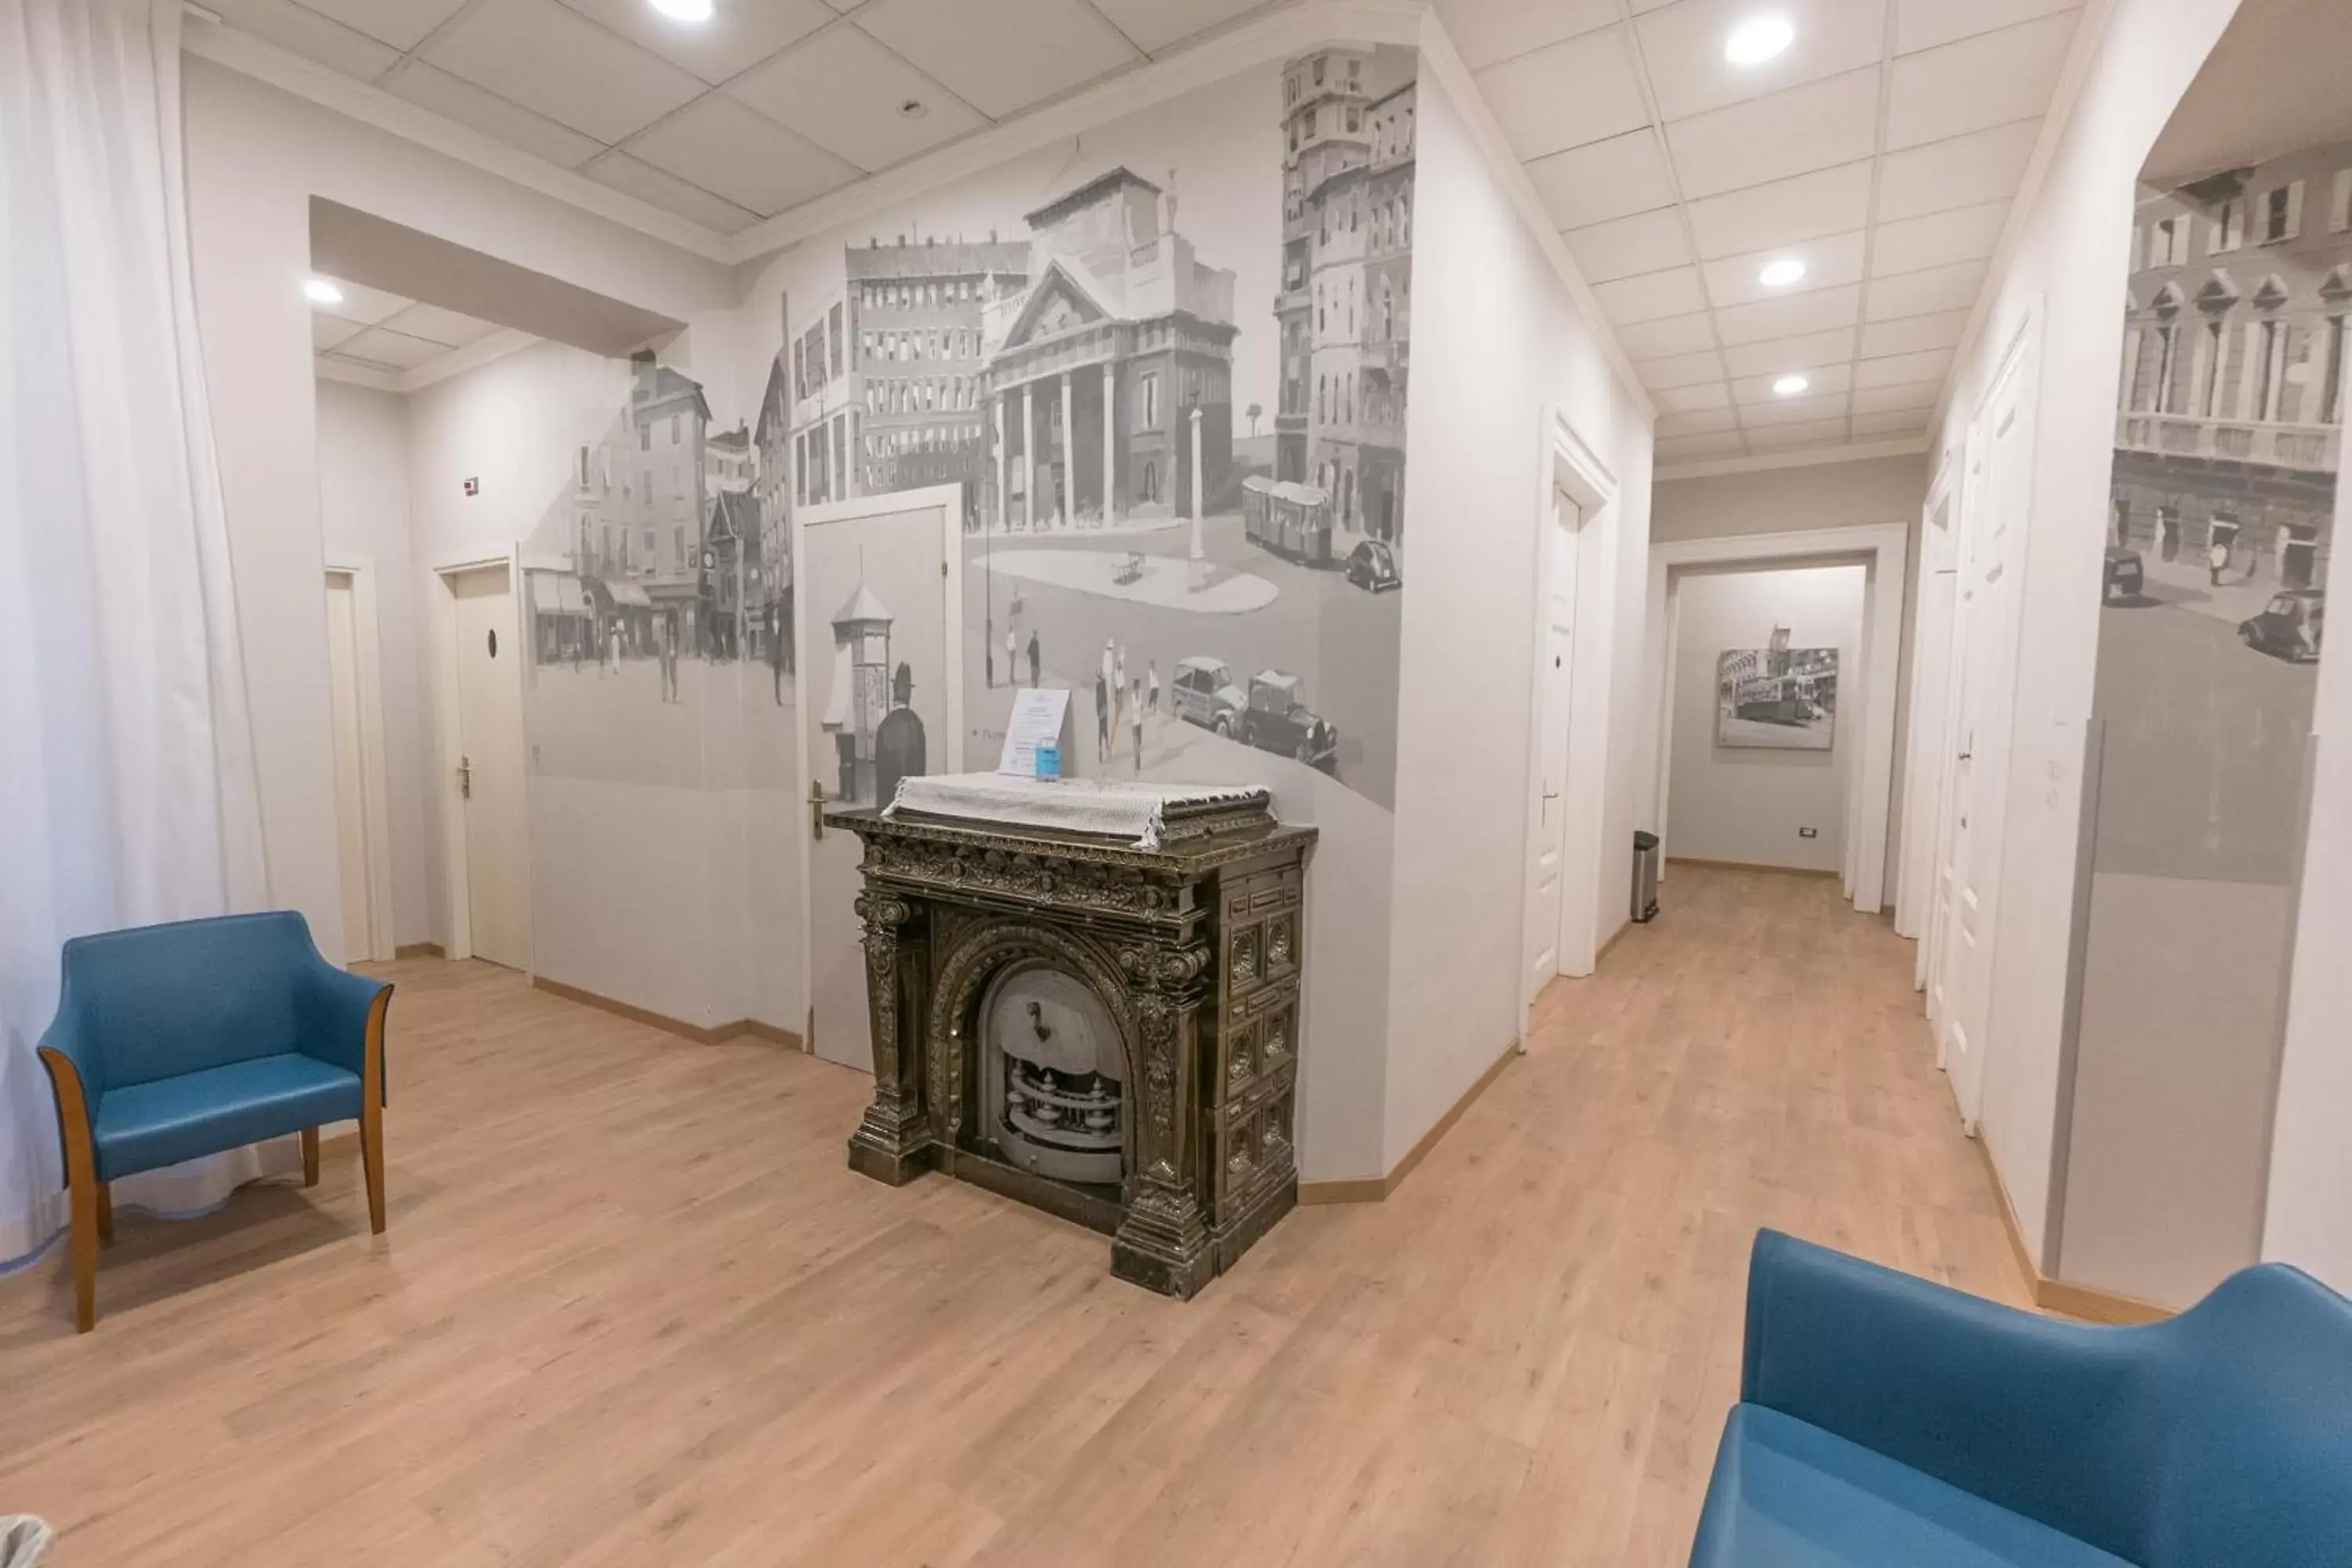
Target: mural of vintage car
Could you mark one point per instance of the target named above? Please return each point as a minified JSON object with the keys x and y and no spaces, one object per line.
{"x":1276,"y":720}
{"x":2125,"y":575}
{"x":1372,"y":566}
{"x":1204,"y":693}
{"x":2289,"y":626}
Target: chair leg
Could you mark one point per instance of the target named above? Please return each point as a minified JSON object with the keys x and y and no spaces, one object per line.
{"x":372,"y":1110}
{"x":106,"y":1213}
{"x":84,"y":1195}
{"x":310,"y":1156}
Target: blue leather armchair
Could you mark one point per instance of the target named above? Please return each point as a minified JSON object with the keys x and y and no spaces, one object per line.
{"x":1884,"y":1419}
{"x":172,"y":1041}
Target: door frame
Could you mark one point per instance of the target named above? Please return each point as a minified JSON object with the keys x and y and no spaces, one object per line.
{"x":1567,"y":462}
{"x":1882,"y":547}
{"x":948,"y":498}
{"x":441,"y":625}
{"x":1931,"y":674}
{"x":367,"y":657}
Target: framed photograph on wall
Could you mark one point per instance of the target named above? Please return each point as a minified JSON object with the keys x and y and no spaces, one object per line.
{"x":1777,"y":698}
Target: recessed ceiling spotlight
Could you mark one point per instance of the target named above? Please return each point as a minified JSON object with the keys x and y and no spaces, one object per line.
{"x":319,"y":291}
{"x":1790,"y":385}
{"x":683,"y":10}
{"x":1780,"y":274}
{"x":913,"y":108}
{"x":1751,"y":42}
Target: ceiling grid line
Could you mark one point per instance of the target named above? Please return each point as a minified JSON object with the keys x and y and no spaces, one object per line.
{"x":1890,"y":35}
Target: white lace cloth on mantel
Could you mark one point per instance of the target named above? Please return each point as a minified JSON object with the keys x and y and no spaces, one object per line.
{"x":1134,"y":810}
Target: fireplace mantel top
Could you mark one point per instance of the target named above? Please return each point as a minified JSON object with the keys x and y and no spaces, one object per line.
{"x":1192,"y":845}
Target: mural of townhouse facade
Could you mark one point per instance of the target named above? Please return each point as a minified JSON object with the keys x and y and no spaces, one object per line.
{"x":1168,"y":372}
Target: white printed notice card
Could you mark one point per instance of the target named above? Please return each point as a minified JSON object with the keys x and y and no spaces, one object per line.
{"x":1037,"y":715}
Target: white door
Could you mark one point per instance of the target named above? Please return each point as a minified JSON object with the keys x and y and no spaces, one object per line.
{"x":1547,"y":814}
{"x":490,"y":765}
{"x":1992,"y":537}
{"x":1931,"y":697}
{"x":350,"y":767}
{"x":874,"y":632}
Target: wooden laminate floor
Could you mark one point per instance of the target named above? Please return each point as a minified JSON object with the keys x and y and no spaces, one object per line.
{"x":633,"y":1309}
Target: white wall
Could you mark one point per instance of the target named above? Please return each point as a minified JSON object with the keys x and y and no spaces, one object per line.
{"x":1745,"y":803}
{"x":1798,"y":500}
{"x":2071,"y":260}
{"x":364,"y":513}
{"x":1497,"y":343}
{"x":255,"y":156}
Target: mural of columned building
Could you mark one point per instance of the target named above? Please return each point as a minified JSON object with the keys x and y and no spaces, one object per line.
{"x":1344,"y":305}
{"x":916,"y":362}
{"x":2234,"y":351}
{"x":1108,"y":385}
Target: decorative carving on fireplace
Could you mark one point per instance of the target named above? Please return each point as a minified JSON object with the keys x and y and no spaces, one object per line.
{"x":1042,"y":1001}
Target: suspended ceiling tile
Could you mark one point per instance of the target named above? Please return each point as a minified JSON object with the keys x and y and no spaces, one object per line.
{"x":1810,"y":433}
{"x":843,"y":91}
{"x":327,"y":330}
{"x":557,"y":63}
{"x":1647,"y":242}
{"x":736,"y":38}
{"x":1925,"y":293}
{"x":1892,"y":399}
{"x":402,"y":24}
{"x":1938,"y":239}
{"x":647,"y":184}
{"x":382,"y":345}
{"x":1830,"y":263}
{"x":1799,"y":315}
{"x":1897,"y":370}
{"x":1912,"y":334}
{"x":1793,"y":132}
{"x":1154,"y":25}
{"x":436,"y":324}
{"x":1651,"y":295}
{"x":1705,"y":422}
{"x":1615,"y":178}
{"x":432,"y":88}
{"x":1823,"y":382}
{"x":1792,"y":411}
{"x":1683,"y":45}
{"x":1924,"y":24}
{"x":361,"y":304}
{"x":1485,"y":31}
{"x":1691,"y":399}
{"x":1567,"y":94}
{"x":1673,"y":335}
{"x":1777,"y":356}
{"x":1716,"y":443}
{"x":306,"y":33}
{"x":1961,"y":171}
{"x":1681,"y":370}
{"x":1885,"y":426}
{"x":1785,"y":212}
{"x":725,"y":148}
{"x":1990,"y":80}
{"x":1005,"y":56}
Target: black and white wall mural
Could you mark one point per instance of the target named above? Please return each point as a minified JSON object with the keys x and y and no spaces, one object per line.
{"x":1169,"y":374}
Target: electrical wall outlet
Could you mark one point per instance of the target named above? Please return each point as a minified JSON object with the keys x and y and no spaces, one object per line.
{"x":1809,"y":833}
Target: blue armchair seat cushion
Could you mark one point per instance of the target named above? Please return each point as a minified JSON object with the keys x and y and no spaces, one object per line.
{"x":146,"y":1126}
{"x":1787,"y":1494}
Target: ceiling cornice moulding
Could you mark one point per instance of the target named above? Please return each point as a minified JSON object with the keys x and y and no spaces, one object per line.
{"x":1764,"y":462}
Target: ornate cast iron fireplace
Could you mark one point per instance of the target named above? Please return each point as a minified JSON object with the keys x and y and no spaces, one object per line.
{"x":1107,"y":1033}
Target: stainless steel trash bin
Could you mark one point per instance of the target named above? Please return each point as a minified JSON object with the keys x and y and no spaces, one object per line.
{"x":1646,"y":876}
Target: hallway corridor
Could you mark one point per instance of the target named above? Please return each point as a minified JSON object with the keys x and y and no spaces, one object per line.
{"x":631,"y":1307}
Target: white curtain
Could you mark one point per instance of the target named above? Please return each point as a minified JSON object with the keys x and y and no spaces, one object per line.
{"x":127,"y":788}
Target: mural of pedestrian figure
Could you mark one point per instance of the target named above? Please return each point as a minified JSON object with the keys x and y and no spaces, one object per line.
{"x":1135,"y":722}
{"x":1102,"y":719}
{"x":2217,"y":560}
{"x":1012,"y":651}
{"x":1032,"y":655}
{"x":1154,"y":688}
{"x":775,"y":654}
{"x":611,"y":659}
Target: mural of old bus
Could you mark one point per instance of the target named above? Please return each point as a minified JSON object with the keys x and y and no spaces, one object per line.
{"x":1289,"y":519}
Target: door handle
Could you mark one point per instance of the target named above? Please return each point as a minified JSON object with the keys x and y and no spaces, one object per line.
{"x":816,"y":810}
{"x":465,"y":778}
